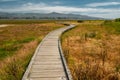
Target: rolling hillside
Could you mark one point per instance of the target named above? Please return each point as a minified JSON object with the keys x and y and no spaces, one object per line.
{"x":53,"y":15}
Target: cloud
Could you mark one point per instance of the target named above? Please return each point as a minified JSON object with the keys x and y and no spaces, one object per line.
{"x":106,"y":15}
{"x":30,"y":5}
{"x":45,"y":8}
{"x":49,"y":8}
{"x":103,"y":4}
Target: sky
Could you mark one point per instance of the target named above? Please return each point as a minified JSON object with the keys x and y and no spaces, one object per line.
{"x":97,"y":8}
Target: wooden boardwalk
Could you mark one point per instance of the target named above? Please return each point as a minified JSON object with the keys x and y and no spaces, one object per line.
{"x":48,"y":62}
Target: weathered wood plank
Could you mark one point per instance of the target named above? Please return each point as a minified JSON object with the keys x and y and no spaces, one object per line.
{"x":46,"y":64}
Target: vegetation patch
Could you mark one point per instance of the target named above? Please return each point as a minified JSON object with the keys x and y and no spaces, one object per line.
{"x":92,"y":50}
{"x":18,"y":43}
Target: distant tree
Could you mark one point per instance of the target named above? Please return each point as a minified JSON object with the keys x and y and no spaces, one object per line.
{"x":27,"y":18}
{"x":80,"y":21}
{"x":107,"y":21}
{"x":117,"y":20}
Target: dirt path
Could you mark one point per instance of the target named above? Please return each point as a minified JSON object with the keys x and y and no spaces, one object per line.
{"x":3,"y":25}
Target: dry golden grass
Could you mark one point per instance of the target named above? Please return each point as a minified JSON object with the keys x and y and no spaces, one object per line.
{"x":92,"y":53}
{"x":17,"y":45}
{"x":13,"y":67}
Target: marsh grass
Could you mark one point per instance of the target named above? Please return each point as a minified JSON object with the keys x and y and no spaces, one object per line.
{"x":112,"y":27}
{"x":18,"y":43}
{"x":92,"y":50}
{"x":12,"y":21}
{"x":13,"y":67}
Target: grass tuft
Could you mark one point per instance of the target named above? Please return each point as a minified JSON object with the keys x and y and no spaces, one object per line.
{"x":18,"y":43}
{"x":92,"y":50}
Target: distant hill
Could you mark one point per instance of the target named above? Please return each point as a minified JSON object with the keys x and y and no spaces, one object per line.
{"x":53,"y":15}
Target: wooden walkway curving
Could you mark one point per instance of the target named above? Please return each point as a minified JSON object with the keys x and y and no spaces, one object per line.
{"x":47,"y":62}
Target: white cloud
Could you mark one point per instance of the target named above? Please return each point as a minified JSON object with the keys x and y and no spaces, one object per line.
{"x":33,"y":5}
{"x":103,"y":4}
{"x":106,"y":15}
{"x":45,"y":8}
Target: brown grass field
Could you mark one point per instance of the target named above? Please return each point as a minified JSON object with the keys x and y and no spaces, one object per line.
{"x":18,"y":42}
{"x":92,"y":50}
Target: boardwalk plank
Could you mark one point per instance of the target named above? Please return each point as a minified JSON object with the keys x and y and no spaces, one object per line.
{"x":46,"y":64}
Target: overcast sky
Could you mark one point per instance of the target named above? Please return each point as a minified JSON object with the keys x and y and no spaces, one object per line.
{"x":97,"y":8}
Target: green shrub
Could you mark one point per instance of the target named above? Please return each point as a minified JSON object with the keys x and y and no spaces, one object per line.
{"x":27,"y":40}
{"x":117,"y":20}
{"x":80,"y":21}
{"x":107,"y":21}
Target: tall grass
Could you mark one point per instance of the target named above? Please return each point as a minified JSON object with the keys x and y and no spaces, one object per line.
{"x":12,"y":21}
{"x":24,"y":21}
{"x":112,"y":27}
{"x":17,"y":45}
{"x":92,"y":51}
{"x":13,"y":67}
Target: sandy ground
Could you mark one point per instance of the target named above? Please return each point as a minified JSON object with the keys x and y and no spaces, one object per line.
{"x":3,"y":25}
